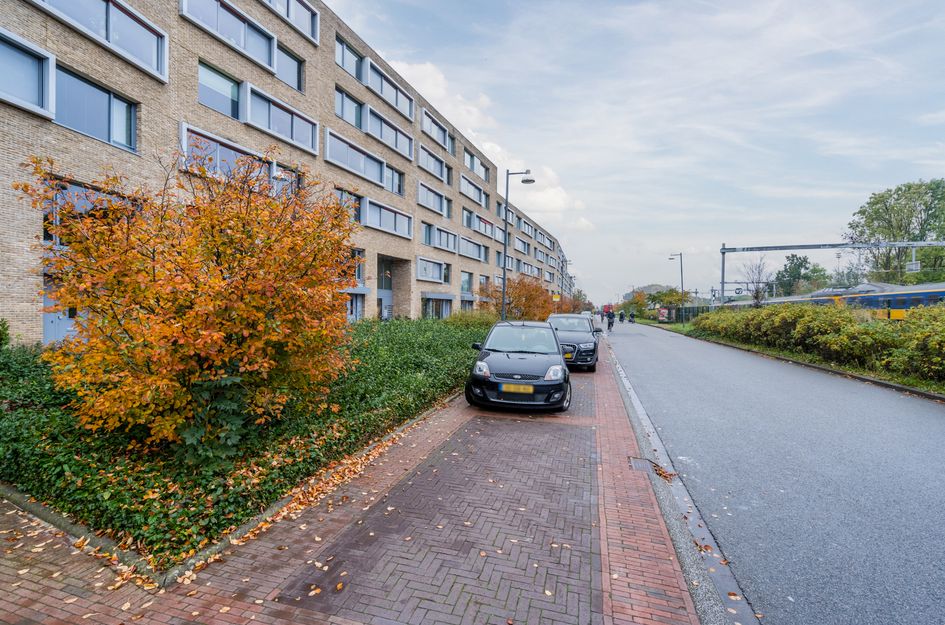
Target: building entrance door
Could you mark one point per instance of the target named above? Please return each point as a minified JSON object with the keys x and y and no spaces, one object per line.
{"x":56,"y":325}
{"x":385,"y":288}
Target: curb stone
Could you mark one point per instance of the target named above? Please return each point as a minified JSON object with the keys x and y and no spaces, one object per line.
{"x":78,"y":531}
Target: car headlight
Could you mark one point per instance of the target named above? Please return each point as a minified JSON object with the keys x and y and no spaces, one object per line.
{"x":587,"y":345}
{"x":555,"y":372}
{"x":482,"y":369}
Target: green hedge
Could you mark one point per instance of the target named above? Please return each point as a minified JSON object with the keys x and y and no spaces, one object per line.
{"x":914,"y":347}
{"x":167,"y":510}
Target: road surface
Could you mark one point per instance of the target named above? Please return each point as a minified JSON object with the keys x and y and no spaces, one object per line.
{"x":825,"y":493}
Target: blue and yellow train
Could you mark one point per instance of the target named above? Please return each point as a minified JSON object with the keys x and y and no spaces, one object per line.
{"x":886,"y":301}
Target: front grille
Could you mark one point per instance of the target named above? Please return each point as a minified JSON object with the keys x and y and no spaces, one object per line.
{"x":568,"y":348}
{"x":516,"y":376}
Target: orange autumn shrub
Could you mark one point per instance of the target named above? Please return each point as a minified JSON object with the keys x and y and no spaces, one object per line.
{"x":525,"y":297}
{"x":204,"y":306}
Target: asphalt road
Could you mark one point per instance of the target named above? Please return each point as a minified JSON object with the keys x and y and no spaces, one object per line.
{"x":827,"y":494}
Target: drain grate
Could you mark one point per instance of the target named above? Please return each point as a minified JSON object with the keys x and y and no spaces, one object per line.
{"x":641,"y":464}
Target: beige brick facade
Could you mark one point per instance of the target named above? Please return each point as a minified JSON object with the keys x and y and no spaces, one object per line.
{"x":165,"y":106}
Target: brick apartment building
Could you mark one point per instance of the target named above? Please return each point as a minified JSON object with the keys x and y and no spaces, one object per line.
{"x":125,"y":83}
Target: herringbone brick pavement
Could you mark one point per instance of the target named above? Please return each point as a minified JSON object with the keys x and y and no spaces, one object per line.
{"x":473,"y":517}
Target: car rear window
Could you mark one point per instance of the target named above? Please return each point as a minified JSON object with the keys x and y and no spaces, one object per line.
{"x":570,"y":324}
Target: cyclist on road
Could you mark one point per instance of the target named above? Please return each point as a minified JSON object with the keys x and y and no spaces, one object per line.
{"x":610,"y":320}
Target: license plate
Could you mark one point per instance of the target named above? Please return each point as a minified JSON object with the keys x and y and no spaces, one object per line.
{"x":517,"y":388}
{"x":568,"y":356}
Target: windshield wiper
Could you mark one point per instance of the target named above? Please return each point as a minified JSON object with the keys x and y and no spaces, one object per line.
{"x":525,"y":351}
{"x":492,"y":349}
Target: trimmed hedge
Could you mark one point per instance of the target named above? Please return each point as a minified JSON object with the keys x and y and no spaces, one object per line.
{"x":146,"y":499}
{"x":914,"y":347}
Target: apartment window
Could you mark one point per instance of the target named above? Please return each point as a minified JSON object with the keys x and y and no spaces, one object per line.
{"x":355,"y":307}
{"x":509,"y":216}
{"x":347,"y":108}
{"x":379,"y":82}
{"x":465,"y":282}
{"x":390,"y":134}
{"x":347,"y":58}
{"x":117,"y":27}
{"x":451,"y":144}
{"x":26,"y":75}
{"x":357,"y":257}
{"x":300,"y":14}
{"x":82,"y":200}
{"x":430,"y":270}
{"x":476,"y":166}
{"x":440,"y":238}
{"x":485,"y":226}
{"x":522,"y":246}
{"x":289,"y":68}
{"x":218,"y":91}
{"x":510,"y":263}
{"x":349,"y":156}
{"x":432,"y":163}
{"x":540,"y":256}
{"x":428,"y":198}
{"x":469,"y":218}
{"x":94,"y":111}
{"x":230,"y":25}
{"x":498,"y":232}
{"x":498,"y":281}
{"x":434,"y":308}
{"x":351,"y":201}
{"x":549,"y":277}
{"x":470,"y":248}
{"x":483,"y":283}
{"x":435,"y":129}
{"x":467,"y":188}
{"x":276,"y":118}
{"x":216,"y":156}
{"x":284,"y":180}
{"x":387,"y":219}
{"x":526,"y":227}
{"x":393,"y":180}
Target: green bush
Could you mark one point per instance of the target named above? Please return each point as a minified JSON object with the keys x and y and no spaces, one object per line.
{"x":168,"y":510}
{"x":4,"y":333}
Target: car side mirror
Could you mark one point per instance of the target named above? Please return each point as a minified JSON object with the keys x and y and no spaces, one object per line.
{"x":477,"y":347}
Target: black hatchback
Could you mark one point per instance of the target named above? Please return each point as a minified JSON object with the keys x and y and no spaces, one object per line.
{"x":520,"y":366}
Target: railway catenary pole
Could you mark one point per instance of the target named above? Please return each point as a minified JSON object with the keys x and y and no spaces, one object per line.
{"x":722,"y":300}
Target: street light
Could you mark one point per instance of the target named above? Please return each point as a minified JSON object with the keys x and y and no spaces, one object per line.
{"x":682,"y":287}
{"x":526,"y":179}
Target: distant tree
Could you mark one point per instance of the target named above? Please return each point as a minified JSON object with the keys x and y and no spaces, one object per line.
{"x":758,"y":277}
{"x":670,"y":298}
{"x":526,"y":299}
{"x":914,"y":211}
{"x":799,"y":275}
{"x":636,"y":303}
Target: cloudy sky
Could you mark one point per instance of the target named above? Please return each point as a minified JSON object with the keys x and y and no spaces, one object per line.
{"x":662,"y":126}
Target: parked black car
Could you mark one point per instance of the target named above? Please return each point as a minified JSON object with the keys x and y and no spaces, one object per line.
{"x":579,"y":339}
{"x":520,"y":365}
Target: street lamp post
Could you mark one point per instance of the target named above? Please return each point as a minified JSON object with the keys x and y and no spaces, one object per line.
{"x":682,"y":286}
{"x":526,"y":179}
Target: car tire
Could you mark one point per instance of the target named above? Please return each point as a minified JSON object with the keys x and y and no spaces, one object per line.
{"x":469,"y":398}
{"x":592,"y":368}
{"x":567,"y":401}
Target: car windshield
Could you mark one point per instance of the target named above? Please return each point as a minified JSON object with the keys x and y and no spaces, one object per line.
{"x":522,"y":340}
{"x":569,"y":324}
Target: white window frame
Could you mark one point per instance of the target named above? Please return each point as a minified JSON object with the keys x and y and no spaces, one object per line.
{"x":459,"y":249}
{"x":427,"y":115}
{"x":48,"y":62}
{"x":430,"y":171}
{"x":366,"y":113}
{"x":291,"y":4}
{"x":246,"y":108}
{"x":271,"y":68}
{"x":328,"y":133}
{"x":368,"y":64}
{"x":481,"y":200}
{"x":163,"y":58}
{"x":432,"y":261}
{"x":366,"y":203}
{"x":443,"y":197}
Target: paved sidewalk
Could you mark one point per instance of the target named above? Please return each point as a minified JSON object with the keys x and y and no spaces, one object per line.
{"x":473,"y":517}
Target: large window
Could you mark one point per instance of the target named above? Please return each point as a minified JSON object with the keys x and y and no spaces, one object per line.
{"x":218,"y":91}
{"x":91,"y":110}
{"x":82,"y":200}
{"x":380,"y":83}
{"x":522,"y":246}
{"x":430,"y":270}
{"x":549,"y":276}
{"x":384,"y":218}
{"x":434,"y":128}
{"x":218,"y":157}
{"x":349,"y":156}
{"x":467,"y":188}
{"x":435,"y":308}
{"x":485,"y":226}
{"x":438,"y":237}
{"x":346,"y":57}
{"x":470,"y":248}
{"x":298,"y":13}
{"x":276,"y":118}
{"x":475,"y":164}
{"x":351,"y":201}
{"x":390,"y":134}
{"x":347,"y":108}
{"x":289,"y":68}
{"x":432,"y":163}
{"x":428,"y":198}
{"x":540,"y":256}
{"x":116,"y":26}
{"x":393,"y":180}
{"x":465,"y":282}
{"x":526,"y":227}
{"x":26,"y":75}
{"x":230,"y":25}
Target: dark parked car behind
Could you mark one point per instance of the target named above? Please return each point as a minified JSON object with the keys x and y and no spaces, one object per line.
{"x":520,"y":365}
{"x":578,"y":338}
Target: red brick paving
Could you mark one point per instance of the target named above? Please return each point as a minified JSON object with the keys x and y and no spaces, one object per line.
{"x":43,"y":579}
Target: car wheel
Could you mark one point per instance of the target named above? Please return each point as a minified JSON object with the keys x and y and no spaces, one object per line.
{"x":567,"y":400}
{"x":469,"y":398}
{"x":592,"y":368}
